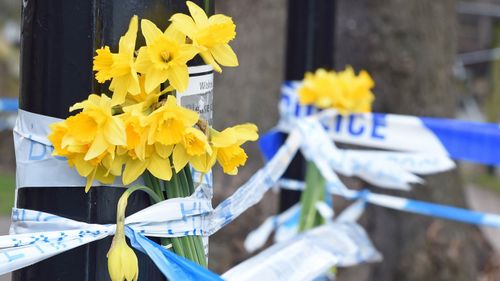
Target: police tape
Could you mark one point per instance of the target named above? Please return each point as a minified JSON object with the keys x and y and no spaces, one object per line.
{"x":460,"y":140}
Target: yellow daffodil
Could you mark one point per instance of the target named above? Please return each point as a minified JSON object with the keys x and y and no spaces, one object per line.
{"x":193,"y":146}
{"x":164,"y":58}
{"x":119,"y":67}
{"x":156,"y":161}
{"x":122,"y":261}
{"x":169,"y":122}
{"x":226,"y":145}
{"x":96,"y":126}
{"x":89,"y":138}
{"x":210,"y":35}
{"x":343,"y":91}
{"x":143,"y":100}
{"x":141,"y":156}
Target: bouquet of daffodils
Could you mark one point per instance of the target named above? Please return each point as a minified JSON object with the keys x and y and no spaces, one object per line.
{"x":142,"y":131}
{"x":345,"y":92}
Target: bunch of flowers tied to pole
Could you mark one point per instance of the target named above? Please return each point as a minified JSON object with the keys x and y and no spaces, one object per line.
{"x":141,"y":131}
{"x":345,"y":92}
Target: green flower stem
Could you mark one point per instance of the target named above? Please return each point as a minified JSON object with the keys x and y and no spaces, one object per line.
{"x":181,"y":245}
{"x":313,"y":193}
{"x":187,"y":171}
{"x":181,"y":185}
{"x":187,"y":181}
{"x":183,"y":188}
{"x":122,"y":204}
{"x":154,"y":183}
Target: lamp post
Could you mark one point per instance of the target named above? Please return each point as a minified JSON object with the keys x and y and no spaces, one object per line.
{"x":59,"y":39}
{"x":310,"y":45}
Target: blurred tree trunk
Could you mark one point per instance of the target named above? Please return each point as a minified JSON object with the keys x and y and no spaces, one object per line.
{"x":409,"y":47}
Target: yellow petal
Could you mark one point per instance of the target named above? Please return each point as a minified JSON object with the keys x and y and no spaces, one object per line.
{"x":127,"y":42}
{"x":99,"y":145}
{"x":225,"y":138}
{"x":160,"y":167}
{"x":150,"y":31}
{"x":164,"y":150}
{"x":186,"y":53}
{"x":204,"y":162}
{"x":180,"y":158}
{"x":134,"y":86}
{"x":224,"y":55}
{"x":90,"y":180}
{"x":142,"y":63}
{"x":103,"y":176}
{"x":133,"y":169}
{"x":154,"y":78}
{"x":119,"y":85}
{"x":179,"y":77}
{"x":184,"y":24}
{"x":209,"y":59}
{"x":197,"y":13}
{"x":246,"y":132}
{"x":173,"y":33}
{"x":84,"y":168}
{"x":115,"y":131}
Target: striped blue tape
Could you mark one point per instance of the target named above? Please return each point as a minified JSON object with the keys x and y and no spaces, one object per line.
{"x":430,"y":209}
{"x":408,"y":205}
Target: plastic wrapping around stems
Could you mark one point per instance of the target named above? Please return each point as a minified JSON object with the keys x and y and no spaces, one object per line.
{"x":309,"y":255}
{"x":310,"y":37}
{"x":58,"y":41}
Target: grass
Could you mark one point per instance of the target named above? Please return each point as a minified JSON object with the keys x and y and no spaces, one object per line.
{"x":7,"y":189}
{"x":487,"y":181}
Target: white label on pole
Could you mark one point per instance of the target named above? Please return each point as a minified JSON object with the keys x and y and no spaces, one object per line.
{"x":199,"y":94}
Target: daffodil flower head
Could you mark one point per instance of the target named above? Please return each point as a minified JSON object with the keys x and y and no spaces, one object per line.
{"x":89,"y":138}
{"x":156,"y":161}
{"x":96,"y":126}
{"x":344,"y":91}
{"x":122,"y":261}
{"x":210,"y":35}
{"x":120,"y":67}
{"x":194,"y":144}
{"x":227,"y":146}
{"x":164,"y":58}
{"x":169,"y":122}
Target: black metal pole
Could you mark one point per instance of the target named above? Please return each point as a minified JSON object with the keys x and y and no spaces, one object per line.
{"x":310,"y":38}
{"x":59,"y":39}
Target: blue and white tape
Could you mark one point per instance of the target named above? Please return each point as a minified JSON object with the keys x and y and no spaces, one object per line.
{"x":9,"y":104}
{"x":460,"y":140}
{"x":408,"y":205}
{"x":171,"y":218}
